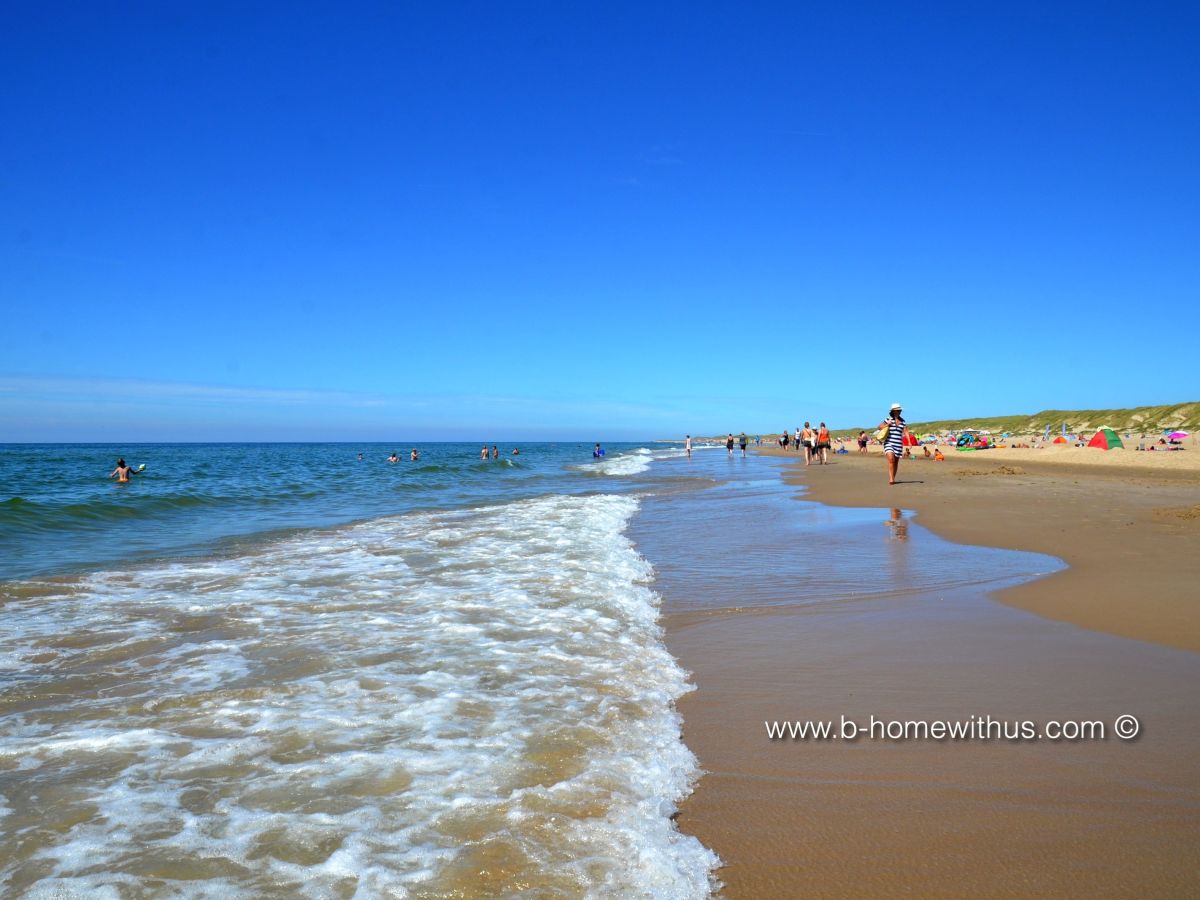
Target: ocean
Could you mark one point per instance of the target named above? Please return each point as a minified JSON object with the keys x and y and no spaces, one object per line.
{"x":276,"y":670}
{"x":279,"y":670}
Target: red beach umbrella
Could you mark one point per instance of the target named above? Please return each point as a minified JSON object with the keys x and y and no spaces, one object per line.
{"x":910,"y":440}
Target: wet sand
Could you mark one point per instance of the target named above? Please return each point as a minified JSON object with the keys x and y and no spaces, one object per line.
{"x":992,"y":818}
{"x":1129,"y":532}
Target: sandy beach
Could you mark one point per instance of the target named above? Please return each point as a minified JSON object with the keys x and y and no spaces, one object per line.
{"x":1114,"y":633}
{"x":1126,"y":523}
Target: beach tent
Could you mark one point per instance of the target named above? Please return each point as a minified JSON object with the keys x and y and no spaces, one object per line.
{"x":1060,"y":440}
{"x":1106,"y":439}
{"x":910,"y":440}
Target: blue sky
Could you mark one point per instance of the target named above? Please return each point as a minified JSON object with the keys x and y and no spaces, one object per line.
{"x":493,"y":221}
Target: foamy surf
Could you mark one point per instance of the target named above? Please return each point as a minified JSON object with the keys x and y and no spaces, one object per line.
{"x":631,"y":462}
{"x":447,"y":704}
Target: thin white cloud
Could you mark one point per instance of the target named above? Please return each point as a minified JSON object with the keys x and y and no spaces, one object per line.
{"x":27,"y":386}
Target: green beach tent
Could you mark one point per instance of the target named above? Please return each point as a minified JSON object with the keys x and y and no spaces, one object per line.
{"x":1106,"y":439}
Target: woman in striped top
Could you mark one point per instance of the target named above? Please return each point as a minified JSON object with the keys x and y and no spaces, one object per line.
{"x":893,"y":448}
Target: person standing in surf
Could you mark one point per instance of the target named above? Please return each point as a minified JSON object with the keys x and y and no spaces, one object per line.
{"x":742,"y":443}
{"x":729,"y":445}
{"x":122,"y":472}
{"x":893,"y":445}
{"x":688,"y":446}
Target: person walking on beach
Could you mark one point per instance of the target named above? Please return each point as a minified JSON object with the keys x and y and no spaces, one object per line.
{"x":742,"y":444}
{"x":862,"y":442}
{"x":687,"y":445}
{"x":796,"y":443}
{"x":893,"y":445}
{"x":806,"y":438}
{"x":783,"y":439}
{"x":122,"y":472}
{"x":823,"y":443}
{"x":729,"y":444}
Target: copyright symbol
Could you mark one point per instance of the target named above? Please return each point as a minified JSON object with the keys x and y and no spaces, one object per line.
{"x":1126,"y":727}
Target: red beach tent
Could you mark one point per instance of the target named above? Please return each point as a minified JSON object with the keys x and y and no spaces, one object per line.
{"x":910,"y":440}
{"x":1106,"y":439}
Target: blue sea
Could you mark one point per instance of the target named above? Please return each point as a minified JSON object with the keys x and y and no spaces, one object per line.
{"x":282,"y":670}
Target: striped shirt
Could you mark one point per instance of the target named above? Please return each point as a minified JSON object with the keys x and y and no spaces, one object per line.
{"x":895,"y":438}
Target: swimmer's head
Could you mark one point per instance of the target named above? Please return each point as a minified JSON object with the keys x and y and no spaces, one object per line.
{"x":121,"y":463}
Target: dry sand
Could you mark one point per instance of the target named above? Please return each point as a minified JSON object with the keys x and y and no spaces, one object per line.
{"x":1110,"y":818}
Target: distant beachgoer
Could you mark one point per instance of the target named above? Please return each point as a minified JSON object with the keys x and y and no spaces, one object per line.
{"x":598,"y":452}
{"x":360,"y":457}
{"x":893,"y":447}
{"x":122,"y":472}
{"x":805,"y":438}
{"x":796,"y":442}
{"x":729,"y":444}
{"x":516,"y":451}
{"x":823,"y":443}
{"x":393,"y":457}
{"x":414,"y":456}
{"x":495,"y":452}
{"x":862,"y":442}
{"x":938,"y":456}
{"x":687,"y":445}
{"x":783,"y":439}
{"x":928,"y":455}
{"x":742,"y":444}
{"x":483,"y":452}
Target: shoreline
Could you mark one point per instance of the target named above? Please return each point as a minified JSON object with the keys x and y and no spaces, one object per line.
{"x":1129,"y":534}
{"x":930,"y":818}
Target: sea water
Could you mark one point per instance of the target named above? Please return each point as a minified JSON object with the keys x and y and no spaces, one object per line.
{"x":282,"y":670}
{"x":279,"y":670}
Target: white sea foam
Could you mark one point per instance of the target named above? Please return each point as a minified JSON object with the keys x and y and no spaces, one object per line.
{"x":462,"y":701}
{"x":630,"y":462}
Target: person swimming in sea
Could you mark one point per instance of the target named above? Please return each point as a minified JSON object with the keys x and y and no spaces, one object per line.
{"x":414,"y":456}
{"x":122,"y":472}
{"x":393,"y":457}
{"x":598,"y":452}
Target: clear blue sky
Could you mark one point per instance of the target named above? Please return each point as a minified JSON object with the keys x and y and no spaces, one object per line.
{"x":511,"y":220}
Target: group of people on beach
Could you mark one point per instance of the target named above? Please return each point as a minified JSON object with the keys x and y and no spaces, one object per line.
{"x":814,"y":442}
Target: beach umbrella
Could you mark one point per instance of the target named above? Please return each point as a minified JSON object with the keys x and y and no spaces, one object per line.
{"x":910,"y":440}
{"x":1106,"y":439}
{"x":1060,"y":440}
{"x":1177,"y":435}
